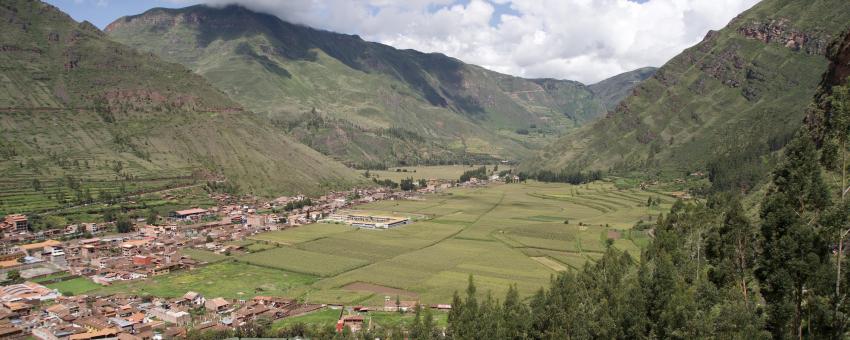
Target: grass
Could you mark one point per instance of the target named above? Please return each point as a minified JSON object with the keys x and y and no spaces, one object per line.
{"x":255,"y":247}
{"x":50,"y":277}
{"x":226,"y":279}
{"x":302,"y":234}
{"x":322,"y":318}
{"x":302,"y":261}
{"x":202,"y":255}
{"x":393,"y":319}
{"x":77,"y":286}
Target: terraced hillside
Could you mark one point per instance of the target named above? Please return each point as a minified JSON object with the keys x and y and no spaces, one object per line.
{"x":83,"y":117}
{"x":723,"y":105}
{"x":361,"y":102}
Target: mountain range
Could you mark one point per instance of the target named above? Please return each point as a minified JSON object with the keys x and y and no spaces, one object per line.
{"x":365,"y":103}
{"x":274,"y":107}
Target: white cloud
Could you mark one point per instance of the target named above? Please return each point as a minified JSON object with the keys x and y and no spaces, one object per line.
{"x":584,"y":40}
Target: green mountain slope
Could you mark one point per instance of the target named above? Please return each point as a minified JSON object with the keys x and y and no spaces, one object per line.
{"x":613,"y":90}
{"x":83,"y":114}
{"x":724,"y":105}
{"x":377,"y":104}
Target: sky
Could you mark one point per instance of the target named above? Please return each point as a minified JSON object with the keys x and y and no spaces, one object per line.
{"x":584,"y":40}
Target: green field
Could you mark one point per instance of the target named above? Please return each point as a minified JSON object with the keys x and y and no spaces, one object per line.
{"x":328,"y":317}
{"x":302,"y":234}
{"x":80,"y":285}
{"x":322,"y":318}
{"x":502,"y":234}
{"x":226,"y":279}
{"x":202,"y":255}
{"x":301,"y":261}
{"x":391,"y":319}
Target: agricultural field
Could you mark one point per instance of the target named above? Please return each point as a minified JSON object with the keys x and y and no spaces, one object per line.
{"x":302,"y":234}
{"x":322,"y":318}
{"x":502,"y":234}
{"x":297,"y":260}
{"x":202,"y":255}
{"x":226,"y":279}
{"x":77,"y":286}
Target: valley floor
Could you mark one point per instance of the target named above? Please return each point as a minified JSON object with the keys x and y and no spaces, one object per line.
{"x":502,"y":234}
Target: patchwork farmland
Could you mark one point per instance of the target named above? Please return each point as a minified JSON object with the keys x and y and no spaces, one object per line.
{"x":503,"y":234}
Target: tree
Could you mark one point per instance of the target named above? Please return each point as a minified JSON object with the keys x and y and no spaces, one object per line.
{"x":407,"y":184}
{"x":454,"y":318}
{"x":123,"y":225}
{"x":109,"y":215}
{"x":838,"y":133}
{"x":416,"y":330}
{"x":13,"y":277}
{"x":428,"y":327}
{"x":731,"y":250}
{"x":515,"y":315}
{"x":794,"y":250}
{"x":469,"y":317}
{"x":153,"y":217}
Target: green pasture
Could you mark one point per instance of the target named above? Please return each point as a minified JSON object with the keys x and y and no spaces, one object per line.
{"x":202,"y":255}
{"x":302,"y":234}
{"x":302,"y":261}
{"x":77,"y":286}
{"x":225,"y":279}
{"x":325,"y":317}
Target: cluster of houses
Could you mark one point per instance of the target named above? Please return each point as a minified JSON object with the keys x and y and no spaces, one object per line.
{"x":29,"y":310}
{"x":152,"y":250}
{"x":327,"y":205}
{"x":15,"y":229}
{"x":94,"y":251}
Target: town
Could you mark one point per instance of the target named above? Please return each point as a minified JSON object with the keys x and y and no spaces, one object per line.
{"x":97,"y":252}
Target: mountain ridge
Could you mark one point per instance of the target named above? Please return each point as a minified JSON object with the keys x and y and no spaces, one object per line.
{"x":73,"y":99}
{"x":734,"y":98}
{"x":464,"y":110}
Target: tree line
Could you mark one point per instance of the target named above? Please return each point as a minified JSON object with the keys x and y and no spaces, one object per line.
{"x":571,"y":177}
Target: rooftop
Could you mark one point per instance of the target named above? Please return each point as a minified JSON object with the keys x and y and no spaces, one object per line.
{"x":39,"y":245}
{"x":193,"y":211}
